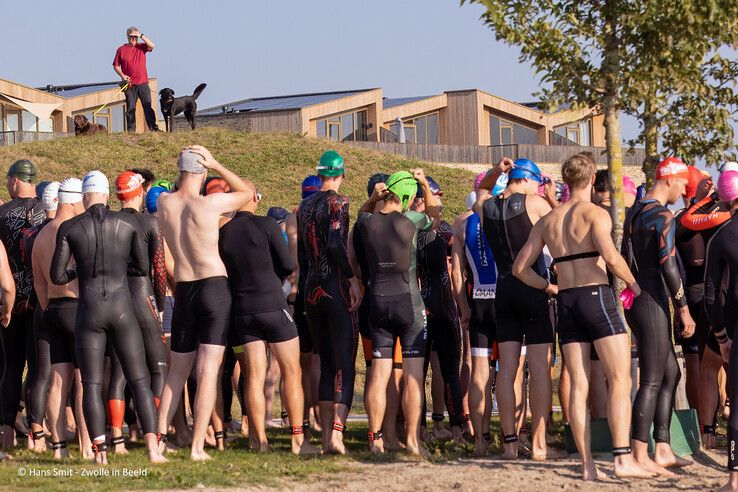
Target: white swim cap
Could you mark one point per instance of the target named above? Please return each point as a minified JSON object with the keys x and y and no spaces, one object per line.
{"x":189,"y":162}
{"x":471,"y":199}
{"x":50,"y":198}
{"x":729,"y":166}
{"x":95,"y":182}
{"x":70,"y":191}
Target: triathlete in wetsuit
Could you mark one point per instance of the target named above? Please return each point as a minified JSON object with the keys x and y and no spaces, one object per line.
{"x":396,"y":305}
{"x":722,"y":256}
{"x":22,"y":212}
{"x":331,"y":294}
{"x":102,"y":242}
{"x":648,"y":244}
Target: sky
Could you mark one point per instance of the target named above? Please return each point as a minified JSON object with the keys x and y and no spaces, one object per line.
{"x":249,"y":48}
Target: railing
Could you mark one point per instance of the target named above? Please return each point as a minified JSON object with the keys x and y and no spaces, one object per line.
{"x":14,"y":137}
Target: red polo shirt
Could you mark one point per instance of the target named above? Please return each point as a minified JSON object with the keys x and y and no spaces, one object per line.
{"x":132,"y":61}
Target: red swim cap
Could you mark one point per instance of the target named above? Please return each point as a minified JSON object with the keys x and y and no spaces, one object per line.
{"x":695,"y":177}
{"x":672,"y":167}
{"x":128,"y":185}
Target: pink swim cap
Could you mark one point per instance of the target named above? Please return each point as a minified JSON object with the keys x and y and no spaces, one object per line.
{"x":478,"y":181}
{"x":565,"y":193}
{"x":629,"y":186}
{"x":728,"y":186}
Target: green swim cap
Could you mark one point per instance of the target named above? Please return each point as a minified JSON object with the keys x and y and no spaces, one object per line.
{"x":23,"y":170}
{"x":162,"y":183}
{"x":331,"y":164}
{"x":404,"y":185}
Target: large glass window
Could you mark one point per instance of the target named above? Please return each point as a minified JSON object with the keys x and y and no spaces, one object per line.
{"x":46,"y":125}
{"x":343,"y":127}
{"x":12,"y":119}
{"x":29,"y":122}
{"x":504,"y":132}
{"x":576,"y":132}
{"x":421,"y":129}
{"x":117,"y":118}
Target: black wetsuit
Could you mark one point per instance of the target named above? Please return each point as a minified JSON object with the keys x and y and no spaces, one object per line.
{"x":322,"y":224}
{"x":101,"y":243}
{"x":722,"y":259}
{"x":258,"y":260}
{"x":522,"y":311}
{"x":444,"y":331}
{"x":363,"y":311}
{"x":396,"y":306}
{"x":18,"y":346}
{"x":648,"y":244}
{"x":307,"y":344}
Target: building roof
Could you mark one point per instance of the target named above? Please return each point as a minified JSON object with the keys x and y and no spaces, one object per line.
{"x":279,"y":103}
{"x":541,"y":106}
{"x":74,"y":90}
{"x":390,"y":102}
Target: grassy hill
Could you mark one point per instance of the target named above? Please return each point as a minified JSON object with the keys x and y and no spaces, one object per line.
{"x":276,"y":162}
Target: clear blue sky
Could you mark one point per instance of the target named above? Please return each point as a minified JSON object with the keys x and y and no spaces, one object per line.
{"x":246,"y":49}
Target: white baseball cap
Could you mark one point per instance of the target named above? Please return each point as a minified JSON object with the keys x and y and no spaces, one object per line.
{"x":50,"y":197}
{"x":95,"y":182}
{"x":70,"y":191}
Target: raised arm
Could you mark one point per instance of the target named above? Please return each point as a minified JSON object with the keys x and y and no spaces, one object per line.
{"x":149,"y":43}
{"x":241,"y":191}
{"x":704,"y":214}
{"x":458,"y":272}
{"x":488,"y":183}
{"x":432,"y":209}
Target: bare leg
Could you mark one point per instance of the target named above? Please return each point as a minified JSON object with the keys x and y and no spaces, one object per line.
{"x":216,"y":419}
{"x":412,"y":402}
{"x":506,"y":396}
{"x":598,"y":391}
{"x":270,"y":386}
{"x":709,"y":397}
{"x":539,"y":363}
{"x":389,"y":426}
{"x":62,"y":377}
{"x":375,"y":399}
{"x":171,"y":395}
{"x":255,"y":374}
{"x":209,"y":359}
{"x":85,"y":444}
{"x":437,"y":389}
{"x":565,"y":389}
{"x":478,"y":402}
{"x":692,"y":383}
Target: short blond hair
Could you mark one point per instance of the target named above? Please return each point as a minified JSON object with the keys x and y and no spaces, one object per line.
{"x":578,"y":170}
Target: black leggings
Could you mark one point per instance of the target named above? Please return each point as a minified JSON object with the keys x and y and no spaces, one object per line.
{"x":100,"y":318}
{"x":336,"y":336}
{"x":444,"y":338}
{"x":39,"y":374}
{"x":16,"y":346}
{"x":229,"y":363}
{"x":659,"y":370}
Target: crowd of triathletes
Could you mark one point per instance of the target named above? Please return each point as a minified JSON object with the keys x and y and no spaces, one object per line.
{"x":100,"y":304}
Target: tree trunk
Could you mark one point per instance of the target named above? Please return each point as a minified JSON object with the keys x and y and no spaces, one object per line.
{"x":650,"y":137}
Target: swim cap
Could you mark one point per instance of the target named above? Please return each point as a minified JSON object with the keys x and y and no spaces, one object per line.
{"x":404,"y":185}
{"x":471,"y":199}
{"x":728,"y":166}
{"x":434,"y":187}
{"x":128,"y":185}
{"x":152,"y":196}
{"x":23,"y":170}
{"x":310,"y":185}
{"x":500,"y":184}
{"x":50,"y":196}
{"x":40,"y":187}
{"x":695,"y":176}
{"x":163,"y":183}
{"x":478,"y":180}
{"x":278,"y":213}
{"x":526,"y":169}
{"x":640,"y":191}
{"x":629,"y":185}
{"x":95,"y":182}
{"x":188,"y":162}
{"x":216,"y":185}
{"x":728,"y":186}
{"x":565,"y":193}
{"x":70,"y":191}
{"x":672,"y":167}
{"x":373,"y":180}
{"x":331,"y":164}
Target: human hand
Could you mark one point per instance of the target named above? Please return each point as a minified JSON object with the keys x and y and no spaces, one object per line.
{"x":419,"y":175}
{"x":505,"y":164}
{"x":207,"y":161}
{"x":552,"y":289}
{"x":5,"y":319}
{"x":125,"y":78}
{"x":380,"y":191}
{"x":354,"y":294}
{"x":688,"y":324}
{"x":725,"y":349}
{"x":636,"y":289}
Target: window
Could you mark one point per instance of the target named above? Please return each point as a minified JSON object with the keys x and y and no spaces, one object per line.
{"x":421,"y":129}
{"x":29,"y":122}
{"x":103,"y":118}
{"x":576,"y":132}
{"x":117,"y":118}
{"x":504,"y":132}
{"x":46,"y":125}
{"x":343,"y":127}
{"x":12,"y":119}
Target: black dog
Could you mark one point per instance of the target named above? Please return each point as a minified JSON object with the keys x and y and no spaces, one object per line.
{"x":171,"y":106}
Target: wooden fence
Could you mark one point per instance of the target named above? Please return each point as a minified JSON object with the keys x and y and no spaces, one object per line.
{"x":14,"y":137}
{"x":478,"y":154}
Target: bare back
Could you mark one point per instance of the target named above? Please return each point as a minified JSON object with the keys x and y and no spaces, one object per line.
{"x":568,"y":230}
{"x":190,"y":226}
{"x":43,"y":251}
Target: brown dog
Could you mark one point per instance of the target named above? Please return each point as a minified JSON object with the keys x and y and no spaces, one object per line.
{"x":82,"y":126}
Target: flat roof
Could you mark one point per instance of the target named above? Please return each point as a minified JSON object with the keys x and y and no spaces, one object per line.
{"x":279,"y":103}
{"x":74,"y":90}
{"x":391,"y":102}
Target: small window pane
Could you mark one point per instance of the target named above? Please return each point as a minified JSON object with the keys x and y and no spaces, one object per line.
{"x":433,"y":129}
{"x":102,"y":120}
{"x":361,"y":126}
{"x":117,"y":121}
{"x":410,"y":134}
{"x":347,"y":127}
{"x":420,"y":127}
{"x":46,"y":125}
{"x":321,"y":129}
{"x":494,"y":130}
{"x":29,"y":122}
{"x":335,"y":132}
{"x":584,"y":133}
{"x":13,"y":120}
{"x":573,"y":135}
{"x":506,"y":135}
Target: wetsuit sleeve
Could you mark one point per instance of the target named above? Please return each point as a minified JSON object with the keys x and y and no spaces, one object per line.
{"x":281,"y":257}
{"x":301,"y":257}
{"x":139,"y":263}
{"x":158,"y":264}
{"x":62,"y":254}
{"x":704,"y":215}
{"x":666,"y":230}
{"x":713,"y":280}
{"x":421,"y":220}
{"x":338,"y":220}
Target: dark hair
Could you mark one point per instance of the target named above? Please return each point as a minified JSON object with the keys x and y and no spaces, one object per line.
{"x":602,"y":181}
{"x":146,"y":174}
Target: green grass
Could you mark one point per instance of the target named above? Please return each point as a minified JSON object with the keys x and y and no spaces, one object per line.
{"x":276,"y":162}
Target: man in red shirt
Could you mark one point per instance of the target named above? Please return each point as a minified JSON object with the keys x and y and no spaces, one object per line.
{"x":130,"y":64}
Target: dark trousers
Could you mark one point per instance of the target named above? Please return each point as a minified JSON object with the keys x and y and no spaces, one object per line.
{"x":17,"y":340}
{"x":133,"y":94}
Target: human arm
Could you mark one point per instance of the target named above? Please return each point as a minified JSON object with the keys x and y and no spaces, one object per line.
{"x":241,"y":191}
{"x":549,"y":193}
{"x":39,"y":281}
{"x":7,"y":286}
{"x":62,"y":254}
{"x":281,"y":257}
{"x":665,"y":227}
{"x":527,"y":257}
{"x":380,"y":191}
{"x":158,"y":264}
{"x":149,"y":43}
{"x":291,"y":230}
{"x":169,"y":264}
{"x":138,"y":266}
{"x":602,"y":239}
{"x":432,"y":209}
{"x":352,"y":254}
{"x":714,"y":268}
{"x":704,"y":214}
{"x":488,"y":183}
{"x":458,"y":269}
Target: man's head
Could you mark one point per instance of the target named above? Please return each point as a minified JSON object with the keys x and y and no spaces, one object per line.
{"x":280,"y":215}
{"x":525,"y":177}
{"x":21,"y":175}
{"x":147,"y":175}
{"x":70,"y":196}
{"x":253,"y":203}
{"x":95,"y":189}
{"x":331,"y":168}
{"x":601,"y":188}
{"x":402,"y":187}
{"x":672,"y":175}
{"x":129,"y":189}
{"x":152,"y":197}
{"x":133,"y":33}
{"x":215,"y":184}
{"x":419,"y":203}
{"x":190,"y":170}
{"x":578,"y":172}
{"x":50,"y":198}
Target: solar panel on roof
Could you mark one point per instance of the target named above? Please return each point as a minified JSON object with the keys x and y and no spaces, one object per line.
{"x":278,"y":103}
{"x":79,"y":91}
{"x":398,"y":101}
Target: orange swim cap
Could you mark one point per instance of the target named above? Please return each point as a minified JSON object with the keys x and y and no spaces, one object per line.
{"x":128,"y":185}
{"x":695,"y":178}
{"x":672,"y":167}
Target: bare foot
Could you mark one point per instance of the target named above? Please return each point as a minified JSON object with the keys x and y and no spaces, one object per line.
{"x":392,"y":444}
{"x":201,"y":456}
{"x":7,"y":436}
{"x":480,"y":447}
{"x":210,"y":437}
{"x":627,"y":467}
{"x":550,"y":454}
{"x":120,"y":449}
{"x":134,"y":433}
{"x":417,"y":451}
{"x":60,"y":454}
{"x":652,"y":467}
{"x":39,"y":445}
{"x":424,"y":434}
{"x":457,"y":434}
{"x":376,"y":446}
{"x":672,"y":461}
{"x":729,"y":487}
{"x":101,"y":458}
{"x":440,"y":432}
{"x":5,"y":456}
{"x":269,"y":424}
{"x":708,"y":441}
{"x":509,"y":451}
{"x":245,"y":426}
{"x":87,"y":453}
{"x":591,"y":473}
{"x":304,"y":448}
{"x":336,"y":446}
{"x":156,"y":457}
{"x":261,"y":447}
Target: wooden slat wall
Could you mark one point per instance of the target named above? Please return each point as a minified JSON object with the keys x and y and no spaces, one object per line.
{"x":288,"y":121}
{"x":461,"y":124}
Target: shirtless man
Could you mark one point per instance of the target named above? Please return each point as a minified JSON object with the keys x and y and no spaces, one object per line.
{"x":577,"y":234}
{"x":59,"y":304}
{"x":201,"y":317}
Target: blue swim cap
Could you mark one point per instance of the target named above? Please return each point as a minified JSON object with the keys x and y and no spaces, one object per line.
{"x":526,"y":169}
{"x":310,"y":185}
{"x":640,"y":192}
{"x":152,"y":196}
{"x":500,"y":185}
{"x":434,"y":187}
{"x":278,"y":213}
{"x":40,"y":188}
